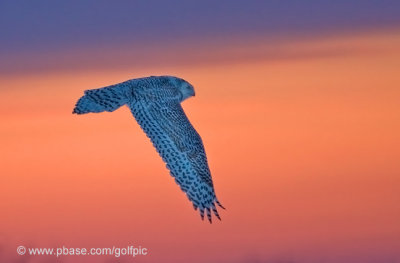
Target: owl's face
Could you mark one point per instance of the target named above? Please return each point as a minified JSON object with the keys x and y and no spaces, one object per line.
{"x":185,"y":88}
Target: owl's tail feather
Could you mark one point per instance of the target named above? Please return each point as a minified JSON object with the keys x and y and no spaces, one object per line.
{"x":103,"y":99}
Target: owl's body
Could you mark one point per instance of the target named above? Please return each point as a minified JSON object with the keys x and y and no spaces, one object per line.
{"x":155,"y":104}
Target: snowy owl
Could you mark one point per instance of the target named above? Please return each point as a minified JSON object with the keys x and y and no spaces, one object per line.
{"x":155,"y":104}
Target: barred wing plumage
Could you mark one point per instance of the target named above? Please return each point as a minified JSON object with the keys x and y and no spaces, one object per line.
{"x":155,"y":103}
{"x":181,"y":148}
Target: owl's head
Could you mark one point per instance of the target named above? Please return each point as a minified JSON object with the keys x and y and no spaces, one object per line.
{"x":184,"y":87}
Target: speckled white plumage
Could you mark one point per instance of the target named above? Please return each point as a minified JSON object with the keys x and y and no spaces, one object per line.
{"x":155,"y":104}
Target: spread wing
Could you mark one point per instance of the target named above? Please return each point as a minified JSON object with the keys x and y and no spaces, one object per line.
{"x":181,"y":148}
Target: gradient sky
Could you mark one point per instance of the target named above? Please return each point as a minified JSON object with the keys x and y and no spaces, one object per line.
{"x":297,"y":105}
{"x":47,"y":30}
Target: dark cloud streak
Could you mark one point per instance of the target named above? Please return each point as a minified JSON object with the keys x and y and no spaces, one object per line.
{"x":38,"y":26}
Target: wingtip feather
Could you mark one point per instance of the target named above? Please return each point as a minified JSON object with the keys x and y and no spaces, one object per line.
{"x":219,"y":204}
{"x":209,"y":215}
{"x":202,"y":213}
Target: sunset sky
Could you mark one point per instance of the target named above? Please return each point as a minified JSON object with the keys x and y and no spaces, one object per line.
{"x":297,"y":104}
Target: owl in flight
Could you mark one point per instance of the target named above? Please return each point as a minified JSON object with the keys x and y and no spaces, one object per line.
{"x":155,"y":102}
